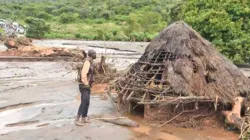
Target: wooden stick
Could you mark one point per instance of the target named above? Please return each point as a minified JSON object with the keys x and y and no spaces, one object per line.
{"x":124,"y":95}
{"x":177,"y":116}
{"x":130,"y":95}
{"x":116,"y":118}
{"x":143,"y":98}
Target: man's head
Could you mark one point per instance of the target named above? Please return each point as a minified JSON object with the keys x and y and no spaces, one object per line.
{"x":92,"y":54}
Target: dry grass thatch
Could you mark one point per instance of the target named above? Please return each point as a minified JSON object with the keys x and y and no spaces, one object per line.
{"x":181,"y":66}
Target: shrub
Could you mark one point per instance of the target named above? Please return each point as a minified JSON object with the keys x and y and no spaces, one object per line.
{"x":77,"y":35}
{"x":106,"y":14}
{"x":67,"y":18}
{"x":43,"y":15}
{"x":37,"y":28}
{"x":49,"y":9}
{"x":84,"y":13}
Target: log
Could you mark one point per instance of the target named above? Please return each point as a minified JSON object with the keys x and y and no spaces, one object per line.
{"x":123,"y":121}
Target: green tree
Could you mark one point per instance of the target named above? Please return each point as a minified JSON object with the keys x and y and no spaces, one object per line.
{"x":225,"y":23}
{"x":37,"y":28}
{"x":50,"y":8}
{"x":43,"y":15}
{"x":84,"y":13}
{"x":150,"y":21}
{"x":68,"y":18}
{"x":132,"y":23}
{"x":106,"y":14}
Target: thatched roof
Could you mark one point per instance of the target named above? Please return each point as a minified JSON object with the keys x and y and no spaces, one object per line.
{"x":179,"y":62}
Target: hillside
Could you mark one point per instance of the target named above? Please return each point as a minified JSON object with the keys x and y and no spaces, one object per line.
{"x":121,"y":20}
{"x":225,"y":23}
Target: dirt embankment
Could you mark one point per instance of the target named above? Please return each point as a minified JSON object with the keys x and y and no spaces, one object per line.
{"x":23,"y":47}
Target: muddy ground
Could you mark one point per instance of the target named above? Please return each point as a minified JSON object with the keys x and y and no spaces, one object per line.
{"x":39,"y":100}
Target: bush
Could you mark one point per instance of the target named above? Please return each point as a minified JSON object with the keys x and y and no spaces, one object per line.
{"x":102,"y":34}
{"x":49,"y":9}
{"x":56,"y":12}
{"x":99,"y":21}
{"x":77,"y":35}
{"x":68,"y":18}
{"x":121,"y":37}
{"x":68,"y":9}
{"x":37,"y":28}
{"x":84,"y":13}
{"x":43,"y":15}
{"x":88,"y":37}
{"x":106,"y":14}
{"x":30,"y":11}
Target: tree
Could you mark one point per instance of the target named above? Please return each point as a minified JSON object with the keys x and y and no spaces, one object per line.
{"x":225,"y":23}
{"x":43,"y":15}
{"x":106,"y":14}
{"x":37,"y":28}
{"x":68,"y":18}
{"x":84,"y":13}
{"x":132,"y":24}
{"x":149,"y":21}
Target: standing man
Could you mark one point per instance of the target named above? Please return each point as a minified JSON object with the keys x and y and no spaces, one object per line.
{"x":86,"y":79}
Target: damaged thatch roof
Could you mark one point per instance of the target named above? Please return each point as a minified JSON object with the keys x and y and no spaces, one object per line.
{"x":179,"y":62}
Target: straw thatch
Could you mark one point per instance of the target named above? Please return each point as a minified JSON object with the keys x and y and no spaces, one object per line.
{"x":181,"y":66}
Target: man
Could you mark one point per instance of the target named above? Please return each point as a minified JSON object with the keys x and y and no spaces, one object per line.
{"x":86,"y":79}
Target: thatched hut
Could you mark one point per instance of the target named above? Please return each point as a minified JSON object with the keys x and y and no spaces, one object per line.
{"x":179,"y":72}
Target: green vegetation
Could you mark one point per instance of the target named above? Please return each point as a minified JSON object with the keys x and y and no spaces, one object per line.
{"x":226,"y":23}
{"x":120,"y":20}
{"x":1,"y":30}
{"x":36,"y":27}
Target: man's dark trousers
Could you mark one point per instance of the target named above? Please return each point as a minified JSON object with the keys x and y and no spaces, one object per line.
{"x":85,"y":99}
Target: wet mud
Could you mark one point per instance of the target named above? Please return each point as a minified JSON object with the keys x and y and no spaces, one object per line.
{"x":39,"y":100}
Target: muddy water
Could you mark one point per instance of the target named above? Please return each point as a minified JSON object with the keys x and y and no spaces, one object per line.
{"x":38,"y":101}
{"x":135,"y":46}
{"x":149,"y":131}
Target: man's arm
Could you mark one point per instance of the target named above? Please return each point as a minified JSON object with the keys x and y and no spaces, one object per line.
{"x":84,"y":73}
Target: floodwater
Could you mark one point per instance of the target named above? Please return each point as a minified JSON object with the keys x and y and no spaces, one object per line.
{"x":39,"y":100}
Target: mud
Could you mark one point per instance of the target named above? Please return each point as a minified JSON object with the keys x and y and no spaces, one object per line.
{"x":39,"y":100}
{"x":50,"y":106}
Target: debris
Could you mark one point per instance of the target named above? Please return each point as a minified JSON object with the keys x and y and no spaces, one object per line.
{"x":180,"y":72}
{"x":23,"y":47}
{"x":123,"y":121}
{"x":23,"y":123}
{"x":104,"y":72}
{"x":41,"y":125}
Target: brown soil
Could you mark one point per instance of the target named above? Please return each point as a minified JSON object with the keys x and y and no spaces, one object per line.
{"x":151,"y":131}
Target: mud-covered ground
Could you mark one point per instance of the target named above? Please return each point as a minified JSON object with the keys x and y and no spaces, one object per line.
{"x":39,"y":100}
